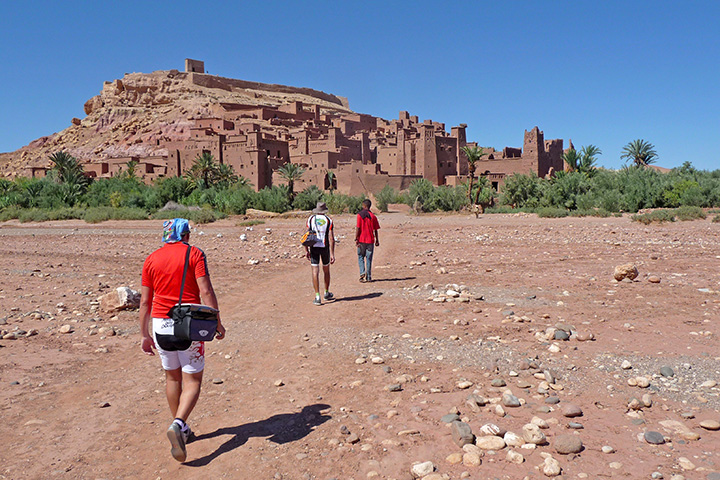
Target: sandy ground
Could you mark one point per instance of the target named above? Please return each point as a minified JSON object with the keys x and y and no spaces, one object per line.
{"x":286,"y":394}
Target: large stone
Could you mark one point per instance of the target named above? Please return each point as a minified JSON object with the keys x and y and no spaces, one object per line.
{"x":572,"y":411}
{"x":551,"y":467}
{"x":514,"y":457}
{"x":654,"y":438}
{"x":565,"y":444}
{"x":513,"y":439}
{"x":121,"y":299}
{"x":461,"y":433}
{"x":471,"y":459}
{"x":627,"y":270}
{"x":710,"y":425}
{"x":420,"y":470}
{"x":532,"y":434}
{"x":490,"y":442}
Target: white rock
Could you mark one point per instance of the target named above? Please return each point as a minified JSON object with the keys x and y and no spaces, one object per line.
{"x":551,"y":467}
{"x":513,"y":439}
{"x":532,"y":434}
{"x":686,"y":464}
{"x":420,"y":470}
{"x":514,"y":457}
{"x":539,"y":422}
{"x":608,"y":449}
{"x":464,"y":384}
{"x":377,"y":360}
{"x":626,"y":365}
{"x":490,"y":429}
{"x":490,"y":442}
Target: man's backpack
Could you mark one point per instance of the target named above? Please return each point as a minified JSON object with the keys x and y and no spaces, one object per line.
{"x":309,"y":238}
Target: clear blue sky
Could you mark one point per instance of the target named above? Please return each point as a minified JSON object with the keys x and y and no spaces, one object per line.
{"x":602,"y":72}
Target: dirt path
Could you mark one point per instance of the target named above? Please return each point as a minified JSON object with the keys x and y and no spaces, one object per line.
{"x":88,"y":405}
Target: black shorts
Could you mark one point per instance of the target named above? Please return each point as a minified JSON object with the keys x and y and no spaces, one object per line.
{"x":318,"y":253}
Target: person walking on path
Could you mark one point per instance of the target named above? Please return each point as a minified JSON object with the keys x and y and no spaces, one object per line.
{"x":323,"y":249}
{"x":366,"y":239}
{"x":161,"y":283}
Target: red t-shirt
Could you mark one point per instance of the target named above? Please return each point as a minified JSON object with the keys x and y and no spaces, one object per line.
{"x":367,"y":222}
{"x":162,"y":273}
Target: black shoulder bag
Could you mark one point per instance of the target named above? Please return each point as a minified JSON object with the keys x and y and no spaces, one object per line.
{"x":192,"y":322}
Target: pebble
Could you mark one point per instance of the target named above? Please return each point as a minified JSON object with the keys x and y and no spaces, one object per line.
{"x":566,"y":444}
{"x":561,"y":335}
{"x":653,"y":279}
{"x":510,"y":400}
{"x":626,"y":365}
{"x":450,"y":417}
{"x":615,"y":465}
{"x":551,"y":467}
{"x":531,"y":434}
{"x":454,"y":458}
{"x":461,"y":433}
{"x":395,"y":387}
{"x":607,"y":449}
{"x":377,"y":360}
{"x":686,"y":464}
{"x":471,"y":460}
{"x":66,"y":329}
{"x":490,"y":429}
{"x":490,"y":442}
{"x":278,"y":383}
{"x":513,"y":440}
{"x":552,"y":400}
{"x":654,"y":438}
{"x":217,"y":381}
{"x":420,"y":470}
{"x":657,"y":476}
{"x":498,"y":382}
{"x":514,"y":457}
{"x":710,"y":425}
{"x":642,"y":382}
{"x":464,"y":384}
{"x":667,"y":371}
{"x":708,"y":384}
{"x":570,"y":410}
{"x":575,"y":426}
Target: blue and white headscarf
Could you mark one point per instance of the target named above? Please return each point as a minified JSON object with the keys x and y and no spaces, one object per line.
{"x":173,"y":230}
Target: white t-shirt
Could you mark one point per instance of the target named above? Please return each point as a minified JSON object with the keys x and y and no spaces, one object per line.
{"x":323,"y":226}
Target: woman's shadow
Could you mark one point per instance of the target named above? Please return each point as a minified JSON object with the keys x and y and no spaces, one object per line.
{"x":281,"y":428}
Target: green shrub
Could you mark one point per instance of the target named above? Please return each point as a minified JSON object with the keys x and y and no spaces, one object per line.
{"x":523,"y":191}
{"x":421,"y":190}
{"x":338,"y":203}
{"x":10,"y":213}
{"x":308,"y":198}
{"x":385,"y":197}
{"x":657,"y":216}
{"x":450,"y":198}
{"x":550,"y":212}
{"x":234,"y":200}
{"x":690,"y":213}
{"x":272,"y":199}
{"x":716,"y":219}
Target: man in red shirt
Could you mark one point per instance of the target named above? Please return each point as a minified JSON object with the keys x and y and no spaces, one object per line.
{"x":161,"y":282}
{"x":366,"y":239}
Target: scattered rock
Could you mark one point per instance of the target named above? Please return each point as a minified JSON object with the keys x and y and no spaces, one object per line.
{"x":419,"y":470}
{"x":509,"y":400}
{"x":712,"y":425}
{"x":570,"y":410}
{"x":627,"y":270}
{"x":66,"y":329}
{"x":565,"y":444}
{"x":654,"y":438}
{"x":471,"y":459}
{"x":531,"y":434}
{"x":461,"y":433}
{"x":667,"y":371}
{"x":490,"y":442}
{"x":514,"y":457}
{"x":653,"y":279}
{"x":551,"y":467}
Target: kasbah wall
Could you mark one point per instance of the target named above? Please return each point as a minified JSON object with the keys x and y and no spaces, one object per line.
{"x":364,"y":153}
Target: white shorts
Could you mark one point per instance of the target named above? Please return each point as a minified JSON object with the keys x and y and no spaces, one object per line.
{"x":191,"y":360}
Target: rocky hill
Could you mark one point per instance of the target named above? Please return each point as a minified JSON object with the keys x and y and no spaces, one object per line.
{"x":135,"y":115}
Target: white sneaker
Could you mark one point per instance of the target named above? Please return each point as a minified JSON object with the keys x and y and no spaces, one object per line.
{"x":177,"y":442}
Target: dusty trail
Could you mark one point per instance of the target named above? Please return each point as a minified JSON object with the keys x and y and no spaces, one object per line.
{"x":546,"y":271}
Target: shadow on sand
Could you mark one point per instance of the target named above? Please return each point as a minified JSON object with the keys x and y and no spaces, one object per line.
{"x":281,"y":428}
{"x":358,"y":297}
{"x":393,"y":279}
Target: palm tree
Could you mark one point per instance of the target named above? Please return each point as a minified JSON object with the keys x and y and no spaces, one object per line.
{"x":225,"y":175}
{"x":588,"y":157}
{"x":202,"y":173}
{"x":642,"y":153}
{"x":67,"y":169}
{"x":571,"y":159}
{"x":473,"y":154}
{"x":291,"y":172}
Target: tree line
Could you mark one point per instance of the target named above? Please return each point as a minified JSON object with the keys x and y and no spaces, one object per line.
{"x":210,"y":190}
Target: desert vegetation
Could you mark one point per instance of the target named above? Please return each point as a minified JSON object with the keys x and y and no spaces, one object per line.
{"x":210,"y":190}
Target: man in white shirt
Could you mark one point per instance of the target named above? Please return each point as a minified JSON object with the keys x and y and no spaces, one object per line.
{"x":324,"y":249}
